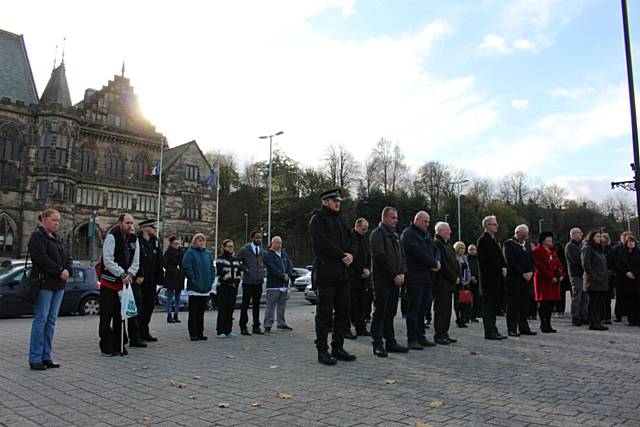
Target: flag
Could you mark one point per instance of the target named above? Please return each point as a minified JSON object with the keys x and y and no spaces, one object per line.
{"x":153,"y":171}
{"x":212,"y":181}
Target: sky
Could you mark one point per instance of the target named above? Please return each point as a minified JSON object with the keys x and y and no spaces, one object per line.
{"x":490,"y":86}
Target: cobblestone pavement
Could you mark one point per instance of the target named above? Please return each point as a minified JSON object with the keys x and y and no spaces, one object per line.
{"x":574,"y":377}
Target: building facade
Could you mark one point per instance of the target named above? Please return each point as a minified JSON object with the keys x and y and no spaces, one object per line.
{"x":88,"y":160}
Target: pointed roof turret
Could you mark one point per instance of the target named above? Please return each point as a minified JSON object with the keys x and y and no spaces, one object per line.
{"x":57,"y":90}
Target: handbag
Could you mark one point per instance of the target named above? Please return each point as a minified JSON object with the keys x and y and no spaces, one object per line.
{"x":465,"y":297}
{"x":29,"y":286}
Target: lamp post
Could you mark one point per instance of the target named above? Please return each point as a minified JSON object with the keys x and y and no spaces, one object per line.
{"x":540,"y":221}
{"x":446,"y":218}
{"x":270,"y":167}
{"x":459,"y":184}
{"x":246,"y":227}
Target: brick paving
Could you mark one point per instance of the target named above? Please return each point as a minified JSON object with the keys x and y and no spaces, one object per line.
{"x":574,"y":377}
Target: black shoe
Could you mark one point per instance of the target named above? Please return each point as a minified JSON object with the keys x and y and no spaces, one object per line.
{"x":350,"y":335}
{"x":326,"y":359}
{"x":37,"y":366}
{"x":442,"y":341}
{"x":175,"y":318}
{"x":140,"y":344}
{"x":124,"y":352}
{"x":492,"y":337}
{"x":513,"y":334}
{"x":378,"y":350}
{"x":395,"y":348}
{"x":425,"y":342}
{"x":342,"y":354}
{"x":257,"y":331}
{"x":363,"y":333}
{"x":502,"y":337}
{"x":461,"y":324}
{"x":194,"y":339}
{"x":267,"y":329}
{"x":576,"y":323}
{"x":50,"y":364}
{"x":170,"y":319}
{"x":202,"y":338}
{"x":451,"y":340}
{"x":415,"y":345}
{"x":244,"y":331}
{"x":285,"y":328}
{"x":474,"y":320}
{"x":109,"y":354}
{"x":606,"y":322}
{"x":617,"y":320}
{"x":529,"y":332}
{"x":149,"y":338}
{"x":598,"y":328}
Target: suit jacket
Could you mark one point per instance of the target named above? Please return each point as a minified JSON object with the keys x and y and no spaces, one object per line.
{"x":421,"y":253}
{"x":491,"y":263}
{"x":445,"y":279}
{"x":519,"y":259}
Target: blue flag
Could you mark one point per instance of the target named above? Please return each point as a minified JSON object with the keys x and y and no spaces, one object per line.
{"x":212,"y":181}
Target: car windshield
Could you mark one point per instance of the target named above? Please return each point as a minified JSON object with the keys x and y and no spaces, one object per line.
{"x":6,"y":271}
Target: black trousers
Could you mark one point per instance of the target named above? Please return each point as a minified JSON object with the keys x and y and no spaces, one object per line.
{"x":476,"y":307}
{"x":442,"y":305}
{"x":358,"y":300}
{"x":545,"y":309}
{"x":385,"y":307}
{"x":110,"y":326}
{"x":197,"y":307}
{"x":595,"y":308}
{"x":251,"y":294}
{"x":518,"y":307}
{"x":332,"y":307}
{"x":404,"y":301}
{"x":418,"y":303}
{"x":631,"y":306}
{"x":226,"y":306}
{"x":490,"y":307}
{"x":148,"y":302}
{"x":133,"y":324}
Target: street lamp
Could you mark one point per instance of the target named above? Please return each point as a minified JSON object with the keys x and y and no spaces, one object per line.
{"x":270,"y":166}
{"x":459,"y":184}
{"x":540,"y":221}
{"x":246,"y":227}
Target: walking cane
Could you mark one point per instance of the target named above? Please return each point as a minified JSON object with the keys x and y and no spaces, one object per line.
{"x":122,"y":338}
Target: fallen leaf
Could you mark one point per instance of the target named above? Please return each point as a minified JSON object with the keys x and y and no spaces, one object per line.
{"x":257,"y":404}
{"x":437,"y":404}
{"x":196,"y":377}
{"x":579,"y":380}
{"x":472,"y":353}
{"x":173,"y":382}
{"x":223,"y":405}
{"x":527,"y":360}
{"x":203,"y":386}
{"x":231,"y":356}
{"x":283,"y":395}
{"x":134,"y":369}
{"x":177,"y":384}
{"x":615,"y":342}
{"x":191,"y":397}
{"x":145,"y":367}
{"x":389,"y":381}
{"x":273,"y":366}
{"x":266,"y":349}
{"x":548,"y":351}
{"x":146,"y":419}
{"x":246,"y":348}
{"x":524,"y":375}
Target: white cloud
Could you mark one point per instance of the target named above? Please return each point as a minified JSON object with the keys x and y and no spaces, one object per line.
{"x":493,"y":45}
{"x":523,"y":44}
{"x":595,"y":188}
{"x":520,"y":104}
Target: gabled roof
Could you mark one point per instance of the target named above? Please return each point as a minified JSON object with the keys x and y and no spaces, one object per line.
{"x":170,"y":156}
{"x":16,"y":78}
{"x":57,"y":90}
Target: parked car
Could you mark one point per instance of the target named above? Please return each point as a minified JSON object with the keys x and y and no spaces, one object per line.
{"x":301,"y":282}
{"x":299,"y":272}
{"x":310,"y":295}
{"x":81,"y":294}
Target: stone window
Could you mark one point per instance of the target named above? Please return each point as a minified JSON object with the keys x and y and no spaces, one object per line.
{"x":7,"y":237}
{"x":53,"y":148}
{"x":146,"y":203}
{"x":114,"y":165}
{"x":190,"y":206}
{"x":10,"y":156}
{"x":88,"y":197}
{"x":141,"y":164}
{"x":42,"y":189}
{"x":192,"y":173}
{"x":120,"y":201}
{"x":86,"y":160}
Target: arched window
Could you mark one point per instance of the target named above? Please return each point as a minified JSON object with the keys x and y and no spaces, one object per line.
{"x":86,"y":160}
{"x":11,"y":143}
{"x":114,"y":165}
{"x":141,"y":164}
{"x":7,"y":236}
{"x":53,"y":147}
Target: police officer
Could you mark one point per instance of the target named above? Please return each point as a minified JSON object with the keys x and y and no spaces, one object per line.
{"x":331,"y":243}
{"x":149,"y":275}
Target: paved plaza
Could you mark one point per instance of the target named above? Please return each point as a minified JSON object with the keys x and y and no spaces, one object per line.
{"x":574,"y":377}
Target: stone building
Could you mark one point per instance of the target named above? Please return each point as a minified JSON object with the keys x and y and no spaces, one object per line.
{"x":88,"y":160}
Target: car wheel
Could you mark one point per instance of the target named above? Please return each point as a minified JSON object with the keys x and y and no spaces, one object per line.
{"x":90,"y":306}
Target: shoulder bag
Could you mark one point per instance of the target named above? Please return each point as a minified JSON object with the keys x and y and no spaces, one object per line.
{"x":30,"y":284}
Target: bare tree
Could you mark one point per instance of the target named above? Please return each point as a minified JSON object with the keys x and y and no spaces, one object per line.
{"x":514,"y":188}
{"x":342,"y":167}
{"x":390,"y":169}
{"x":483,"y":190}
{"x":435,"y":181}
{"x":619,"y":205}
{"x":553,"y":196}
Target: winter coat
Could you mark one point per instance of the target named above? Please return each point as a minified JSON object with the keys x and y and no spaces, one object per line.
{"x":330,"y":240}
{"x":173,"y":275}
{"x":519,"y":258}
{"x":277,"y":267}
{"x":49,"y":257}
{"x":574,"y":261}
{"x":150,"y":261}
{"x":197,"y":265}
{"x":548,"y":267}
{"x":628,"y":261}
{"x":254,"y":264}
{"x":491,"y":263}
{"x":445,"y":279}
{"x":229,"y":270}
{"x":594,"y":263}
{"x":387,"y":254}
{"x":361,"y":256}
{"x":421,"y":253}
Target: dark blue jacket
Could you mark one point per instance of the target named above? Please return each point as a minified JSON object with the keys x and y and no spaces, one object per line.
{"x":277,"y":267}
{"x":197,"y":266}
{"x":421,"y":254}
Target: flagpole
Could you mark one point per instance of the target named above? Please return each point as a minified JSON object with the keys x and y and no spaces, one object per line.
{"x":215,"y":250}
{"x":160,"y":188}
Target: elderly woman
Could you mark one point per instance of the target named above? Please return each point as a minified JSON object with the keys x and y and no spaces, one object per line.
{"x":463,"y":311}
{"x":627,"y":270}
{"x":546,"y":279}
{"x":51,"y":261}
{"x":198,"y":268}
{"x":596,"y":278}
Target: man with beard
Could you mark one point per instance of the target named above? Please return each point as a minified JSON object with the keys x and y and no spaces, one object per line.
{"x":331,"y":243}
{"x":149,"y":275}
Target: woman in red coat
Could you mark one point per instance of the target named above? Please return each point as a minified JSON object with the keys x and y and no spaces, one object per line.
{"x":547,"y":278}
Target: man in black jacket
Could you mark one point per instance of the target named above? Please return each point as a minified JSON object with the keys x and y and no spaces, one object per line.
{"x":359,"y":278}
{"x":149,"y":275}
{"x":422,"y":260}
{"x":331,"y":243}
{"x":493,"y":270}
{"x":389,"y":268}
{"x":445,"y":282}
{"x":579,"y":298}
{"x":520,"y":269}
{"x":252,"y":257}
